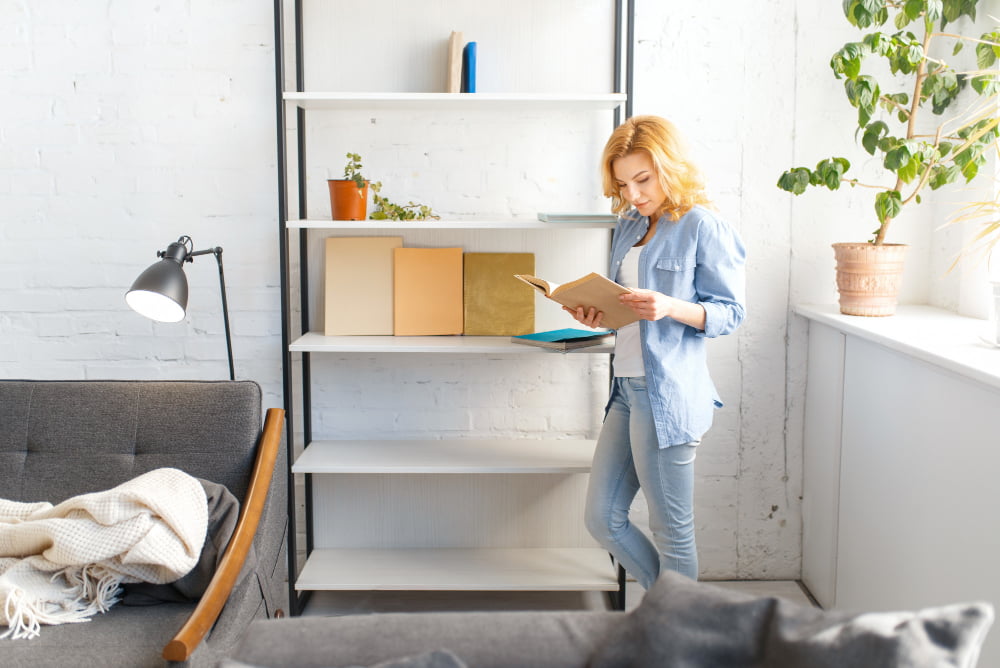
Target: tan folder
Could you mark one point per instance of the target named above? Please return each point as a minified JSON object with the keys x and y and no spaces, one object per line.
{"x":428,"y":291}
{"x":496,"y":304}
{"x":358,"y":282}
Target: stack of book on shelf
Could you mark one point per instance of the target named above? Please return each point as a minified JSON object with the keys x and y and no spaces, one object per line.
{"x":461,"y":64}
{"x":565,"y":339}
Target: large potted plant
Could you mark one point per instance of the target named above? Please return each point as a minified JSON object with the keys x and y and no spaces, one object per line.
{"x":914,"y":39}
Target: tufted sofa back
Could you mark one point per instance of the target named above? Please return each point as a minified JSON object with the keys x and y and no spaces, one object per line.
{"x":63,"y":438}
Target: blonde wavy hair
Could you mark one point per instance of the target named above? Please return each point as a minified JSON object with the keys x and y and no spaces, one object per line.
{"x":657,"y":137}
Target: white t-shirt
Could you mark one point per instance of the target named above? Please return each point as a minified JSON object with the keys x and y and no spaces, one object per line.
{"x":628,"y":352}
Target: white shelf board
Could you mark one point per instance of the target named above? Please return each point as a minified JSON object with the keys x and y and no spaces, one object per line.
{"x":510,"y":224}
{"x":317,"y":343}
{"x":323,"y":100}
{"x":447,"y":456}
{"x":458,"y":569}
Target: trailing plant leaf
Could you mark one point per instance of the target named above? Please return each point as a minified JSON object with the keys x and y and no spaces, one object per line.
{"x":387,"y":210}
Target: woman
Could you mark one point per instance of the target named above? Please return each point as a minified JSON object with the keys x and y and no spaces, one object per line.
{"x":685,"y":267}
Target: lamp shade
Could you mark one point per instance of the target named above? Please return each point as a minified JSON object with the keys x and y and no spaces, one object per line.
{"x":160,"y":292}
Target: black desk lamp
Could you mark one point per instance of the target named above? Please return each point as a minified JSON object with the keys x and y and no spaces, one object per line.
{"x":161,"y":292}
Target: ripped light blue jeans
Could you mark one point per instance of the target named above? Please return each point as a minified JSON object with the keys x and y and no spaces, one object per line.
{"x":628,"y":457}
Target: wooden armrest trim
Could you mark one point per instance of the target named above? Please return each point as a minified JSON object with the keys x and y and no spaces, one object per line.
{"x":210,"y":606}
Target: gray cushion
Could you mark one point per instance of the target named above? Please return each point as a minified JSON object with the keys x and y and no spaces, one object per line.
{"x":685,"y":624}
{"x":436,"y":659}
{"x":123,"y":636}
{"x":480,"y":639}
{"x":64,"y":438}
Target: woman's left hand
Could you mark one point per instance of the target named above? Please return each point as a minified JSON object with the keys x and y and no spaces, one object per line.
{"x":647,"y":304}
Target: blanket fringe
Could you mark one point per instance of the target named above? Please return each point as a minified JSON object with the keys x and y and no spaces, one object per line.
{"x":97,"y":587}
{"x":92,"y":588}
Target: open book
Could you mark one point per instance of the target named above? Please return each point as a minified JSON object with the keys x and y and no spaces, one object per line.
{"x":591,"y":290}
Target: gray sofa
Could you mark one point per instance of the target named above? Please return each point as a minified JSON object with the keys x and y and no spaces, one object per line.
{"x":678,"y":624}
{"x":64,"y":438}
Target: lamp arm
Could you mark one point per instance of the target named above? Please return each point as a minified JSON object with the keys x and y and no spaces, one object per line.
{"x":217,"y":252}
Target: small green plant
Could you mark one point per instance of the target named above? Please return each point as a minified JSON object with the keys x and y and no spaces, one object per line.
{"x":352,"y":171}
{"x":957,"y":148}
{"x":386,"y":210}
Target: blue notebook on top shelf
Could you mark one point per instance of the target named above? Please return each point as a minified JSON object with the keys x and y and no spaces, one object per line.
{"x":565,"y":339}
{"x":469,"y":68}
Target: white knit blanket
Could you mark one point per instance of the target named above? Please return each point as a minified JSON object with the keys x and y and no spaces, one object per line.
{"x":65,"y":563}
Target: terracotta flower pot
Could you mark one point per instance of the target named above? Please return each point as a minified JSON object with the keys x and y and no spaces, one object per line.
{"x":347,"y":201}
{"x":868,"y":277}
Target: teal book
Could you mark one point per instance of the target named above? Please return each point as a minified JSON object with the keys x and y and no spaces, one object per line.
{"x":565,"y":339}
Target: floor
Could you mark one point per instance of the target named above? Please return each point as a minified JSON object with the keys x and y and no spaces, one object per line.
{"x":344,"y":603}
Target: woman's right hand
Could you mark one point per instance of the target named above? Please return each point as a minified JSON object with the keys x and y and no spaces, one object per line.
{"x":590,"y":317}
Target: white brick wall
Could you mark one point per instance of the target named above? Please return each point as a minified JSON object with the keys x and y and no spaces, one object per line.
{"x":126,"y":125}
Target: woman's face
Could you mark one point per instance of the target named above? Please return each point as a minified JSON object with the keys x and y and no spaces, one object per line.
{"x":638,"y":182}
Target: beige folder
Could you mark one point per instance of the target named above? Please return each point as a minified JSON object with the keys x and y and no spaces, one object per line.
{"x":496,"y":304}
{"x":358,"y":282}
{"x":427,"y":297}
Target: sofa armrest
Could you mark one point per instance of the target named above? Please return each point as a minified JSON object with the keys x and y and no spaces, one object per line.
{"x":219,"y":589}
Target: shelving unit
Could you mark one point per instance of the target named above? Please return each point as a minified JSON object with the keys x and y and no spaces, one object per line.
{"x":383,"y":500}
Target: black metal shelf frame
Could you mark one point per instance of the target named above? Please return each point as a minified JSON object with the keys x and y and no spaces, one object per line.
{"x":622,"y":81}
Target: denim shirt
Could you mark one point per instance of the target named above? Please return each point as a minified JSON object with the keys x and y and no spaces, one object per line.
{"x":699,"y":258}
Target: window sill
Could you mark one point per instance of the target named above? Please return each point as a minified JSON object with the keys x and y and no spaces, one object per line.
{"x":934,"y":335}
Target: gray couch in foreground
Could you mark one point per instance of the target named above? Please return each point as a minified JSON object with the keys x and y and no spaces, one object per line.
{"x":64,"y":438}
{"x":678,"y":624}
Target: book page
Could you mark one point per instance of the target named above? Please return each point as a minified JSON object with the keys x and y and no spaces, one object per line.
{"x":543,"y":286}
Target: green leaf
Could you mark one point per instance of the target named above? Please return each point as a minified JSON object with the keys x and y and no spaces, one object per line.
{"x":795,"y":180}
{"x":873,"y":133}
{"x":935,"y":9}
{"x":899,"y":157}
{"x":985,"y":55}
{"x":942,"y":175}
{"x":888,"y":205}
{"x":970,"y":170}
{"x":847,"y":61}
{"x":951,"y":10}
{"x":986,"y":85}
{"x":830,"y":172}
{"x":902,"y":19}
{"x":910,"y":170}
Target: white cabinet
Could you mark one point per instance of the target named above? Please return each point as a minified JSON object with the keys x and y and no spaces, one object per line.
{"x":900,"y":459}
{"x":431,"y":514}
